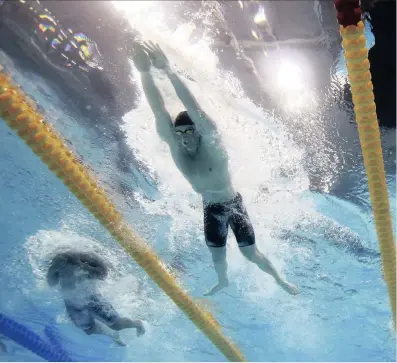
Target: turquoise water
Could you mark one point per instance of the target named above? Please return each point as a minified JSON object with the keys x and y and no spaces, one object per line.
{"x":326,"y":245}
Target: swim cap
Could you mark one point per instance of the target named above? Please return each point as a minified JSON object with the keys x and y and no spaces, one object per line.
{"x":183,"y":119}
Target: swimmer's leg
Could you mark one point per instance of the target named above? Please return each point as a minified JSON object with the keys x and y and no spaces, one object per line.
{"x":245,"y":235}
{"x":106,"y":313}
{"x":127,"y":323}
{"x":100,"y":328}
{"x":84,"y":319}
{"x":220,"y":265}
{"x":215,"y":230}
{"x":253,"y":255}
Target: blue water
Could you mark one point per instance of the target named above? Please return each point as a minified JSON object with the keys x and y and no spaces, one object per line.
{"x":326,"y":245}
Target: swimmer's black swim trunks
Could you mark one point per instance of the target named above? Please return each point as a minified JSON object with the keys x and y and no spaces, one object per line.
{"x":218,"y":217}
{"x":96,"y":307}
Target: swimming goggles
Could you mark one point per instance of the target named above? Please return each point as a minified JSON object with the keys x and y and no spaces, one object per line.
{"x":187,"y":132}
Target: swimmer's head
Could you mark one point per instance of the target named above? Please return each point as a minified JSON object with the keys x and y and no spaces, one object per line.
{"x":185,"y":130}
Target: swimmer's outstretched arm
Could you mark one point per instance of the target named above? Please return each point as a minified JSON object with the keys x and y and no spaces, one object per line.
{"x":190,"y":102}
{"x":160,"y":61}
{"x":52,"y":275}
{"x":58,"y":264}
{"x":152,"y":93}
{"x":156,"y":102}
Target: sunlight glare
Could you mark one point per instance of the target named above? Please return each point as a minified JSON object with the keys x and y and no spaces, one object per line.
{"x":289,"y":76}
{"x":254,"y":34}
{"x":149,"y":11}
{"x":129,"y":6}
{"x":183,"y":33}
{"x":296,"y":94}
{"x":260,"y":16}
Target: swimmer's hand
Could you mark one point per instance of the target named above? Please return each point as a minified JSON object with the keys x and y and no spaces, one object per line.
{"x":140,"y":58}
{"x":156,"y":54}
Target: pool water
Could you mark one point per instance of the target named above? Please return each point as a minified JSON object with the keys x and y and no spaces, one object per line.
{"x":325,"y":244}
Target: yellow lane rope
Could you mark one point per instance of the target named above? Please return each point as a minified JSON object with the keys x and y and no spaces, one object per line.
{"x":356,"y":54}
{"x":20,"y":115}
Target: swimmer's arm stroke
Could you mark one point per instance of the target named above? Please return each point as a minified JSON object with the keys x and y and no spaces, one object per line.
{"x":160,"y":61}
{"x":163,"y":119}
{"x":189,"y":101}
{"x":156,"y":103}
{"x":57,"y":264}
{"x":52,"y":275}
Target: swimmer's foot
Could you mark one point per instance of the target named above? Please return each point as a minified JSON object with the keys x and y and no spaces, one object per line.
{"x":290,"y":288}
{"x":219,"y":286}
{"x":117,"y":339}
{"x":140,"y":328}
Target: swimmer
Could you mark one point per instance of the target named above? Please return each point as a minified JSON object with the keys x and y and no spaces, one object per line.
{"x":199,"y":154}
{"x":76,"y":274}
